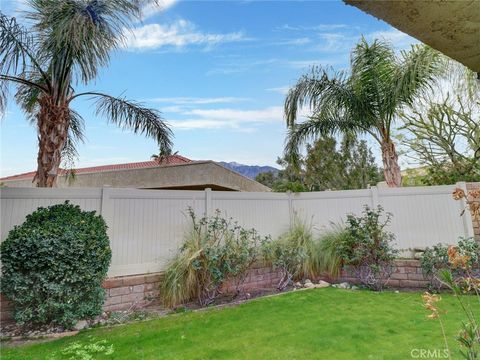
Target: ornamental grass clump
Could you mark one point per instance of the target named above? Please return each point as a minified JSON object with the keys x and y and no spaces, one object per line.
{"x":53,"y":266}
{"x":295,"y":253}
{"x":215,"y":250}
{"x":331,"y":243}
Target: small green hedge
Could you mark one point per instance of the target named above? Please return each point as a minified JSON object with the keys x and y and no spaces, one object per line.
{"x":53,"y":266}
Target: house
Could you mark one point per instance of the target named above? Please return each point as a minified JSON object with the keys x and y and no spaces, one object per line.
{"x":174,"y":172}
{"x":451,"y":27}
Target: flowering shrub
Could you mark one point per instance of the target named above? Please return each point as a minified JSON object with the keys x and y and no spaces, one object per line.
{"x":469,"y":335}
{"x":462,"y":278}
{"x":293,"y":253}
{"x":436,"y":258}
{"x":368,"y":250}
{"x":215,"y":250}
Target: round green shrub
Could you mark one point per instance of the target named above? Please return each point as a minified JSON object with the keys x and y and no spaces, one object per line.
{"x":53,"y":266}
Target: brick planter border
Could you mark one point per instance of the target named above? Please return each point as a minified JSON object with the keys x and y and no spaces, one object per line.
{"x":123,"y":293}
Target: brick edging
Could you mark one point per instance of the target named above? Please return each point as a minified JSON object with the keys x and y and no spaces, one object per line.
{"x":138,"y":291}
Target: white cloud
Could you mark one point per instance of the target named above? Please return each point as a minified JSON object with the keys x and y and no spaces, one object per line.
{"x":241,"y":65}
{"x":336,"y":42}
{"x":280,"y":89}
{"x":399,"y":39}
{"x":179,"y":34}
{"x":293,"y":42}
{"x":342,"y":42}
{"x":236,"y":119}
{"x":191,"y":124}
{"x":318,"y":27}
{"x":152,"y":8}
{"x":270,"y":114}
{"x":303,"y":64}
{"x":244,"y":65}
{"x":196,"y":100}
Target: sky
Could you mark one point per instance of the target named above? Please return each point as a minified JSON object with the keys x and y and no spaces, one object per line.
{"x":217,"y":70}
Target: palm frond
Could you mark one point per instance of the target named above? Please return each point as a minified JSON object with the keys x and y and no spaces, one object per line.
{"x":323,"y":122}
{"x":17,"y":57}
{"x":77,"y":126}
{"x":69,"y":151}
{"x":74,"y":137}
{"x":81,"y":34}
{"x":131,"y":115}
{"x":315,"y":89}
{"x":420,"y":68}
{"x":373,"y":70}
{"x":18,"y":46}
{"x":27,"y":95}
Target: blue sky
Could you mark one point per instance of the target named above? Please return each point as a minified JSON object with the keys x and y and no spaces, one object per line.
{"x":217,"y":70}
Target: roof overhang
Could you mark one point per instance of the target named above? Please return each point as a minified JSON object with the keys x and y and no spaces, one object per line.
{"x":452,"y":27}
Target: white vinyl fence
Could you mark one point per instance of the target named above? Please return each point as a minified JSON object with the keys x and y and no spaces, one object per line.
{"x":146,"y":226}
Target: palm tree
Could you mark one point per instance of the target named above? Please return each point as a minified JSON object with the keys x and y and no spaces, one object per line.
{"x":163,"y":156}
{"x":366,"y":100}
{"x":67,"y":43}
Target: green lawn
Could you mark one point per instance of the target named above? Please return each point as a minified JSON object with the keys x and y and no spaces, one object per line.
{"x":312,"y":324}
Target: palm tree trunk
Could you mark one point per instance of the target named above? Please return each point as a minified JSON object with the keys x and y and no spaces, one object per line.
{"x":53,"y":121}
{"x":391,"y":169}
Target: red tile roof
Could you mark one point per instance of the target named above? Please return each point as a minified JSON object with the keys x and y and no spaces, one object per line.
{"x":171,"y":160}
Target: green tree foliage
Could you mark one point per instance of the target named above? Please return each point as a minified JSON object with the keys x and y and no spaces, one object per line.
{"x":291,"y":178}
{"x":327,"y":166}
{"x":53,"y":266}
{"x":365,"y":100}
{"x":352,"y":166}
{"x":441,"y":133}
{"x":268,"y":178}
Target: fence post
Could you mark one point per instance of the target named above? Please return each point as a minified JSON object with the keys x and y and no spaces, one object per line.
{"x":106,"y":210}
{"x":375,"y":200}
{"x":208,"y":202}
{"x":290,"y":208}
{"x":104,"y":206}
{"x":467,"y":215}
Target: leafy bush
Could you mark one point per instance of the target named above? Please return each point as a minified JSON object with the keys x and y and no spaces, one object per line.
{"x":368,"y":250}
{"x":53,"y":266}
{"x":215,"y":250}
{"x":463,"y":285}
{"x":436,"y":259}
{"x":295,"y":253}
{"x":331,"y":243}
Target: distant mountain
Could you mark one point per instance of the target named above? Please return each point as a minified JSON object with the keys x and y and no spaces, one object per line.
{"x":250,"y":171}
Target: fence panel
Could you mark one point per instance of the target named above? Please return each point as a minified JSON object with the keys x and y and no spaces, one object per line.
{"x":16,"y":203}
{"x":268,"y":213}
{"x":146,"y":227}
{"x":322,"y":209}
{"x":424,"y":216}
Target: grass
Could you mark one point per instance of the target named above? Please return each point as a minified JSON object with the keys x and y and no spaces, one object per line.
{"x":312,"y":324}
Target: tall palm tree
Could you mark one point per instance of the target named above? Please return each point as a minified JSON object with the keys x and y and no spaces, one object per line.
{"x":66,"y":44}
{"x":366,"y":100}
